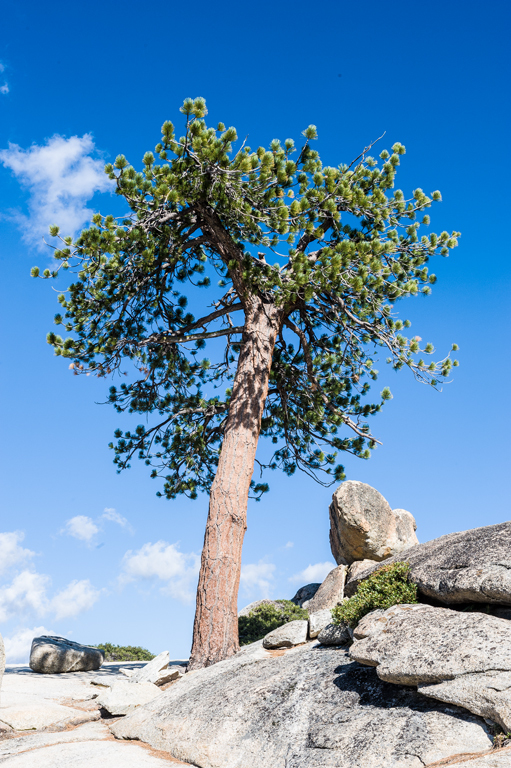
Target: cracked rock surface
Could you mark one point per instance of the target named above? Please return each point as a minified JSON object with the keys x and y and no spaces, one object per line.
{"x":307,"y":707}
{"x":54,"y":707}
{"x":465,"y":567}
{"x":96,"y":753}
{"x":459,"y":658}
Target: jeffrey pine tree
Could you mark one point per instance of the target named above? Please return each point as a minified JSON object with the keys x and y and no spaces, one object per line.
{"x":303,"y":263}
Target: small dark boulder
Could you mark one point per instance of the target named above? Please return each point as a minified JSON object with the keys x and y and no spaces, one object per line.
{"x":52,"y":655}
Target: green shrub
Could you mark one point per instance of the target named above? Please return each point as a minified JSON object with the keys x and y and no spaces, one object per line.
{"x":124,"y":652}
{"x":267,"y":617}
{"x":387,"y":587}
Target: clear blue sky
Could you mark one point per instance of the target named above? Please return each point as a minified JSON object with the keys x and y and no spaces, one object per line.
{"x":434,"y":76}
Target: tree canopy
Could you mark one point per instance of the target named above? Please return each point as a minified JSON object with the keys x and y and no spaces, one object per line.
{"x":332,"y":248}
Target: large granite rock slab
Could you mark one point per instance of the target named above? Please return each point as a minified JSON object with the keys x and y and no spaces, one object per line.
{"x":330,"y":592}
{"x":465,"y":567}
{"x":305,"y":594}
{"x":456,"y":657}
{"x":90,"y":754}
{"x":310,"y":707}
{"x":363,"y":525}
{"x":33,"y":716}
{"x":50,"y":654}
{"x":95,"y":731}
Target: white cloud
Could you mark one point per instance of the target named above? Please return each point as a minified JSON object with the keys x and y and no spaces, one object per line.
{"x":313,"y":573}
{"x":27,"y":591}
{"x":257,"y":578}
{"x":2,"y":67}
{"x":77,"y":597}
{"x":166,"y":563}
{"x":289,"y":545}
{"x":62,"y":176}
{"x":115,"y":517}
{"x":81,"y":527}
{"x":4,"y":88}
{"x":10,"y":551}
{"x":17,"y":646}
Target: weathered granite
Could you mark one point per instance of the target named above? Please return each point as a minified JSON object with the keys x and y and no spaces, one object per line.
{"x":363,"y":526}
{"x":331,"y":592}
{"x":370,"y":624}
{"x":50,"y":655}
{"x":288,"y":635}
{"x":309,"y":707}
{"x":456,"y":657}
{"x":465,"y":567}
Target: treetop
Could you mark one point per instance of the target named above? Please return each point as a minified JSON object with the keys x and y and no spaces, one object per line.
{"x":332,"y":248}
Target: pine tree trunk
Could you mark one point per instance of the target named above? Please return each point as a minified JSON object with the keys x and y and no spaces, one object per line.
{"x":215,"y":632}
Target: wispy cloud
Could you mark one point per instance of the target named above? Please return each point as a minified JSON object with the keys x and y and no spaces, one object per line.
{"x":313,"y":573}
{"x":4,"y":89}
{"x":77,"y":597}
{"x":114,"y":517}
{"x":81,"y":527}
{"x":17,"y":646}
{"x":61,"y":176}
{"x":26,"y":593}
{"x":257,"y":578}
{"x":165,"y":563}
{"x":11,"y":553}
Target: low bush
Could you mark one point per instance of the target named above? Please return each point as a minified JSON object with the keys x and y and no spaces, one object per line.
{"x":267,"y":617}
{"x":386,"y":587}
{"x":124,"y":652}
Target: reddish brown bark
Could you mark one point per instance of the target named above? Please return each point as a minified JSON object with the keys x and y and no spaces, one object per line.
{"x":215,"y":632}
